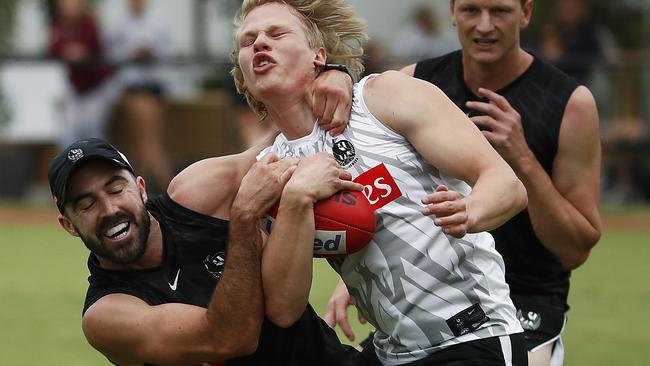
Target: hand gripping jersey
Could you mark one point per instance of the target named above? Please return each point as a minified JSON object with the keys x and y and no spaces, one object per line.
{"x":194,"y":255}
{"x":422,"y":290}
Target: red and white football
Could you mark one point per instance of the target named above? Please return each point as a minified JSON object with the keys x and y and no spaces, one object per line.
{"x":345,"y":223}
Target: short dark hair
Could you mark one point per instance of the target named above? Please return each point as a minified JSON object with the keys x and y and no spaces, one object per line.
{"x":521,"y":1}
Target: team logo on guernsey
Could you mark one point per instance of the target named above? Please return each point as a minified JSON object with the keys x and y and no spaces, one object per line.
{"x":379,"y":187}
{"x":344,"y":153}
{"x":529,"y":320}
{"x":214,"y":264}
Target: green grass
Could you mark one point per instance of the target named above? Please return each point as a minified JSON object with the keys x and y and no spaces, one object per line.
{"x":610,"y":302}
{"x":43,"y":282}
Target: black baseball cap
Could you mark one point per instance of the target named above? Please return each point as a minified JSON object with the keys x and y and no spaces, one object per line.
{"x":73,"y":156}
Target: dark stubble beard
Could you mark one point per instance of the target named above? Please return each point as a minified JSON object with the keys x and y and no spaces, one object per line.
{"x":126,"y":253}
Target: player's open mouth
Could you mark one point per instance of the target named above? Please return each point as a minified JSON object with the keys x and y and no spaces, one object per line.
{"x":118,"y":231}
{"x":262,"y":62}
{"x":486,"y":42}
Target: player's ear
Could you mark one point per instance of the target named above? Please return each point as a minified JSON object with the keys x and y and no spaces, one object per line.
{"x":320,"y":58}
{"x":527,"y":12}
{"x":142,"y":187}
{"x":66,"y":224}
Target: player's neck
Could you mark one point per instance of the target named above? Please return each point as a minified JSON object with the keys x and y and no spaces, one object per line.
{"x":294,"y":120}
{"x":497,"y":75}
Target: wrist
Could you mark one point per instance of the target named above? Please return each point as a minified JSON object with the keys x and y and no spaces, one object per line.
{"x":338,"y":67}
{"x":297,"y":198}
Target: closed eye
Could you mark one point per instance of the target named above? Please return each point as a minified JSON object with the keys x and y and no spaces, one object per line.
{"x":246,"y":42}
{"x":85,"y":204}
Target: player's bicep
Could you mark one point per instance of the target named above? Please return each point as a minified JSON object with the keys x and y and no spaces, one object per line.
{"x":576,"y":168}
{"x":433,"y":124}
{"x":209,"y":186}
{"x":129,"y":331}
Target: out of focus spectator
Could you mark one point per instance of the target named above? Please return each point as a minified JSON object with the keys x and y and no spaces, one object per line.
{"x":138,"y":44}
{"x":424,"y":37}
{"x":626,"y":146}
{"x":375,"y":58}
{"x":75,"y":39}
{"x":572,"y":41}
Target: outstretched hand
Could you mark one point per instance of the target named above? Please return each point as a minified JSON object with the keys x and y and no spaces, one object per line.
{"x":450,"y":211}
{"x":336,"y":312}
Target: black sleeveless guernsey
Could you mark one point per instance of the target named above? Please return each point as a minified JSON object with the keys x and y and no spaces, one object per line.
{"x":540,"y":95}
{"x":194,"y":253}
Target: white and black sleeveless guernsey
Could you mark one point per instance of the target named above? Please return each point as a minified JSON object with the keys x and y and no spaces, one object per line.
{"x":193,"y":259}
{"x":540,"y":95}
{"x":421,"y":289}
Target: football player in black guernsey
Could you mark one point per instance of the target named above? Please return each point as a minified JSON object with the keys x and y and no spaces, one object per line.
{"x":178,"y":279}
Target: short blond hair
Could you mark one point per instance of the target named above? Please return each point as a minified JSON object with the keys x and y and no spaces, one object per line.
{"x":331,"y":24}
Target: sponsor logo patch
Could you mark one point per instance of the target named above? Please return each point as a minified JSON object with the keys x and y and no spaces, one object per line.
{"x":379,"y":187}
{"x":329,"y":242}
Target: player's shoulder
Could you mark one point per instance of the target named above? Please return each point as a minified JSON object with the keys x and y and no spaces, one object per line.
{"x":209,"y":185}
{"x":433,"y":67}
{"x":395,"y":84}
{"x":544,"y":72}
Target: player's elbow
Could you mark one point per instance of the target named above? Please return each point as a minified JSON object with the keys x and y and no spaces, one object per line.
{"x":578,"y":256}
{"x":285,"y":315}
{"x":237,"y":346}
{"x":571,"y":262}
{"x":245,"y":347}
{"x":520,"y":196}
{"x":283,"y":319}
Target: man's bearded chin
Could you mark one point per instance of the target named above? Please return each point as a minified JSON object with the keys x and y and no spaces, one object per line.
{"x":126,"y":253}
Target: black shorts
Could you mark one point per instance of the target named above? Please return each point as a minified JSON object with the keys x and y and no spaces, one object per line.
{"x":495,"y":351}
{"x":308,"y":342}
{"x":542,"y":318}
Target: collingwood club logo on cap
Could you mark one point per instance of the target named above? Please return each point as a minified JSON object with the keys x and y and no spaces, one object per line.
{"x":75,"y":154}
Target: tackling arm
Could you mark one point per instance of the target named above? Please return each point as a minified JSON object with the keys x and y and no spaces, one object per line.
{"x":287,"y":259}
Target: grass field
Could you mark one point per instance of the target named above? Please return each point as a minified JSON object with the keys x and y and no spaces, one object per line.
{"x":43,"y":282}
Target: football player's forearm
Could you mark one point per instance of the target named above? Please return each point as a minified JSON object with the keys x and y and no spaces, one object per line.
{"x":496,"y":197}
{"x":237,"y":305}
{"x":287,"y":261}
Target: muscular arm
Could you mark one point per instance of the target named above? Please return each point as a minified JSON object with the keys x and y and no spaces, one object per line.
{"x":130,"y":332}
{"x":210,"y":185}
{"x":287,"y":259}
{"x":564,"y":208}
{"x":447,"y":139}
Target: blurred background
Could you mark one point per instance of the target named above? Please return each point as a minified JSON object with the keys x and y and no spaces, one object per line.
{"x":156,"y":71}
{"x":153,"y":78}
